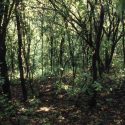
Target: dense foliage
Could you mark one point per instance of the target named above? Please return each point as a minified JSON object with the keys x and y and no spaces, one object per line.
{"x":75,"y":46}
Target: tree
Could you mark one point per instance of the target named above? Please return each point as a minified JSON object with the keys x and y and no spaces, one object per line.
{"x":19,"y":31}
{"x":6,"y":8}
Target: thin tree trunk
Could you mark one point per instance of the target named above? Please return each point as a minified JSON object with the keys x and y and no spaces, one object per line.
{"x":123,"y":38}
{"x":51,"y":53}
{"x":61,"y":55}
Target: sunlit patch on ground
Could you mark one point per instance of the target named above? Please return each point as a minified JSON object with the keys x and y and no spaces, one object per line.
{"x":22,"y":109}
{"x":52,"y":108}
{"x":44,"y":109}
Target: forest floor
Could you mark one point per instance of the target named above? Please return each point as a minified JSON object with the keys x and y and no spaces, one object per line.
{"x":57,"y":108}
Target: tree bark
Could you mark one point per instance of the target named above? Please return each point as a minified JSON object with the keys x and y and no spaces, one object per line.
{"x":19,"y":30}
{"x":5,"y":12}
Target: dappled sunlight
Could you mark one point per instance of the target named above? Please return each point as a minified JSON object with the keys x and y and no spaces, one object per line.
{"x":119,"y":121}
{"x":62,"y":62}
{"x":22,"y":109}
{"x":66,"y":87}
{"x":44,"y":109}
{"x":61,"y":118}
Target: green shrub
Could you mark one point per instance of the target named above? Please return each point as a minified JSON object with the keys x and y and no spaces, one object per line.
{"x":7,"y":108}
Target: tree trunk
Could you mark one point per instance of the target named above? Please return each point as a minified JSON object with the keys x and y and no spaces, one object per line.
{"x":51,"y":53}
{"x":3,"y":67}
{"x":4,"y":20}
{"x":123,"y":38}
{"x":19,"y":30}
{"x":108,"y":58}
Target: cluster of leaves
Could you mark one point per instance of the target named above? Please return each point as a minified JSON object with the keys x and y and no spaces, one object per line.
{"x":82,"y":84}
{"x":7,"y":108}
{"x":1,"y":81}
{"x":85,"y":84}
{"x":33,"y":104}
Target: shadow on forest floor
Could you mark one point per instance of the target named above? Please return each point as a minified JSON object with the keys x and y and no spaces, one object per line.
{"x":59,"y":109}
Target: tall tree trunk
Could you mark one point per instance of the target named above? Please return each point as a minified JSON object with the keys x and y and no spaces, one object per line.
{"x":96,"y":61}
{"x":19,"y":30}
{"x":3,"y":66}
{"x":51,"y":53}
{"x":61,"y":55}
{"x":123,"y":38}
{"x":5,"y":12}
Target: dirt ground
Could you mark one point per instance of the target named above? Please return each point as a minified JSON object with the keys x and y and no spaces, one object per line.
{"x":60,"y":109}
